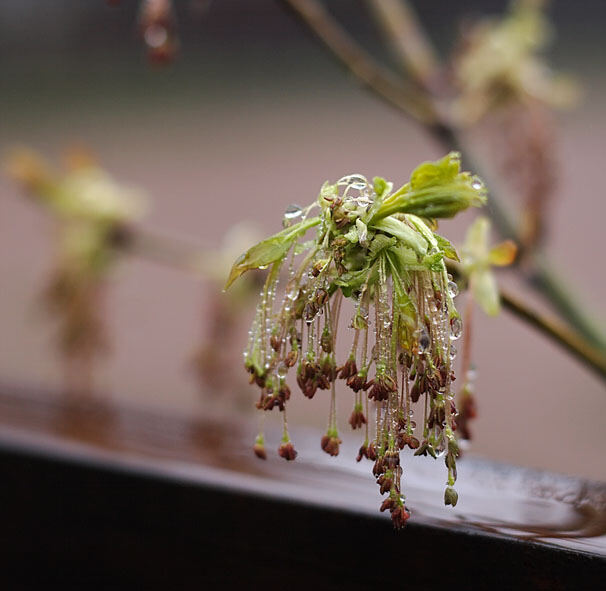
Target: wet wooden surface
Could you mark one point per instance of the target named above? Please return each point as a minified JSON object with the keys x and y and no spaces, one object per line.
{"x":121,"y":494}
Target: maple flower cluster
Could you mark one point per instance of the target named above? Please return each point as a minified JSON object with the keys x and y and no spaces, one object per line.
{"x":378,"y":248}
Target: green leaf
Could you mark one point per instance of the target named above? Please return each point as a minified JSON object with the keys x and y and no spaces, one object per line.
{"x":440,"y":172}
{"x":436,"y":190}
{"x":485,"y":291}
{"x":380,"y":243}
{"x":382,"y":187}
{"x":423,"y":229}
{"x":353,"y":280}
{"x":434,"y":262}
{"x":269,"y":250}
{"x":404,"y":259}
{"x":447,"y":248}
{"x":403,"y":232}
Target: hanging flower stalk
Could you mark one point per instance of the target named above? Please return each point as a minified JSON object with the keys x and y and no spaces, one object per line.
{"x":379,"y":249}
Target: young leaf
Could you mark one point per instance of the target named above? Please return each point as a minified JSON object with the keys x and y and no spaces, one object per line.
{"x":436,"y":190}
{"x":447,"y":248}
{"x":269,"y":250}
{"x":403,"y":232}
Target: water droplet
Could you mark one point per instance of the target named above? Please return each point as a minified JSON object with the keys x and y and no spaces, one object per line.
{"x":453,"y":289}
{"x":477,"y":184}
{"x":263,"y":267}
{"x":424,"y":340}
{"x":456,"y":327}
{"x":282,"y":371}
{"x":354,"y":181}
{"x":292,"y":212}
{"x":452,"y":352}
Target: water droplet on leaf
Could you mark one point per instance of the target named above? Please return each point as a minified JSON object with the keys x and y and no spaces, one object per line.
{"x":292,"y":212}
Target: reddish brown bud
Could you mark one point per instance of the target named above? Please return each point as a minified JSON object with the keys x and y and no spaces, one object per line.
{"x":391,"y":459}
{"x":287,"y":451}
{"x":378,"y":467}
{"x":320,"y":297}
{"x":385,"y":483}
{"x":276,"y":342}
{"x":291,"y":358}
{"x":357,"y":419}
{"x":357,"y":382}
{"x":330,"y":444}
{"x":399,"y":516}
{"x":371,"y":452}
{"x":349,"y":369}
{"x":329,"y":368}
{"x":362,"y":453}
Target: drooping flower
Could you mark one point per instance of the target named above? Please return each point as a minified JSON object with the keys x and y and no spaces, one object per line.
{"x":94,"y":215}
{"x":379,"y":249}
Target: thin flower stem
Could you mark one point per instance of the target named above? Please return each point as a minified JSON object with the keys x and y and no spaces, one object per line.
{"x":377,"y":79}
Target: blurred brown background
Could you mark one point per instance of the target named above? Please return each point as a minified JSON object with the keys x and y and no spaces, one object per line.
{"x":251,"y":117}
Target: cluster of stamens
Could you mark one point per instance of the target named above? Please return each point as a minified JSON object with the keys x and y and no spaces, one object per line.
{"x":400,"y":364}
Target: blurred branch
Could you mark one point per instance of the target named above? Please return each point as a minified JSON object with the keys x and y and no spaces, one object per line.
{"x":416,"y":46}
{"x":548,"y":325}
{"x":164,"y":250}
{"x":371,"y":74}
{"x":553,"y":328}
{"x":399,"y":22}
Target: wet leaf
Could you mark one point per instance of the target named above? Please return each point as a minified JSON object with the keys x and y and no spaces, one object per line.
{"x":447,"y":248}
{"x":269,"y":250}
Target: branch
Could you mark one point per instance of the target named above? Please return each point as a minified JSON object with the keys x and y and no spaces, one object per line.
{"x":416,"y":54}
{"x":558,"y":332}
{"x":372,"y":75}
